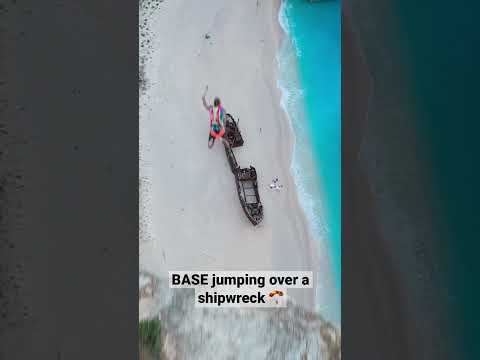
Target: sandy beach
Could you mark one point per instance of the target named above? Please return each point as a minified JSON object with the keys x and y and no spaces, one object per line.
{"x":191,"y":218}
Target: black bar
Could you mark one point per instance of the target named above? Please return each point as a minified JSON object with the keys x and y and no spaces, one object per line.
{"x":69,"y":179}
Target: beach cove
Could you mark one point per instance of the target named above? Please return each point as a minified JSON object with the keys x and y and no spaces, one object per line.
{"x":190,"y":215}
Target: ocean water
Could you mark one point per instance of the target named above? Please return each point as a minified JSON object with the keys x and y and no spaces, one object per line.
{"x":442,"y":41}
{"x":310,"y":73}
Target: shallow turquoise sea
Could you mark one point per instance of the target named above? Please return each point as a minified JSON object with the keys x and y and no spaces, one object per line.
{"x":310,"y":72}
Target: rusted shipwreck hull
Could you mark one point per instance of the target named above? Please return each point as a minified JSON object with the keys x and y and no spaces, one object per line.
{"x":245,"y":178}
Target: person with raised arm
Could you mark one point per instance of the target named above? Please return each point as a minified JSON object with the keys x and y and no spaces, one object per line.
{"x":217,"y":118}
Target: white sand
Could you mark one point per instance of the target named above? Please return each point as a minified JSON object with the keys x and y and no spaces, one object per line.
{"x":191,"y":215}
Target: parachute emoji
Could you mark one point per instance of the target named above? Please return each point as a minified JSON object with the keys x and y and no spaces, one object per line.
{"x":275,"y":293}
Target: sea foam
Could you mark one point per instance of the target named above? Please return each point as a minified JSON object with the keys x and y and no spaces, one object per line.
{"x":304,"y":163}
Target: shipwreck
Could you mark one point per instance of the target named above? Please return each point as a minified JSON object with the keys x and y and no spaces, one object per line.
{"x":245,"y":178}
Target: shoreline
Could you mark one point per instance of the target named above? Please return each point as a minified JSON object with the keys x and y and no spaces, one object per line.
{"x":279,"y":35}
{"x":193,"y":236}
{"x":318,"y":248}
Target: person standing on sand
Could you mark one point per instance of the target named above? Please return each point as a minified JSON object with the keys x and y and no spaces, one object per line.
{"x":217,"y":119}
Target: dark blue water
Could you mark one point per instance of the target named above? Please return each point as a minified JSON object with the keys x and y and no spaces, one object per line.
{"x":443,"y":40}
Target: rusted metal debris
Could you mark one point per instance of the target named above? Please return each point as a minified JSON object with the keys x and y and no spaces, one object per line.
{"x":245,"y":178}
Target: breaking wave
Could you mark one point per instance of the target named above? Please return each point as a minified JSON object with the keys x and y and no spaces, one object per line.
{"x":303,"y":163}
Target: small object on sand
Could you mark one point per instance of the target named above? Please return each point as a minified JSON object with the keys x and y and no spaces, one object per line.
{"x":275,"y":185}
{"x":207,"y":36}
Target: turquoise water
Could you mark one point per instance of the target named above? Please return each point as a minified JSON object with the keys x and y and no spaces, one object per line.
{"x":310,"y":75}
